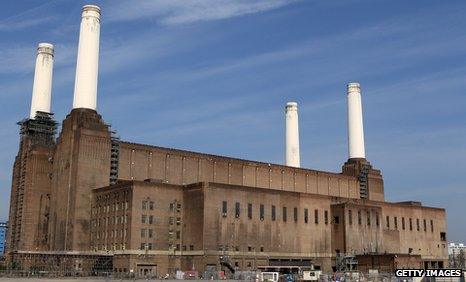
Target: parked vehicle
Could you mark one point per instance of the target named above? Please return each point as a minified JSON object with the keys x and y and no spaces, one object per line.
{"x":311,"y":275}
{"x":270,"y":276}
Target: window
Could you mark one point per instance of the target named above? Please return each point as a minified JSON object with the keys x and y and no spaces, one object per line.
{"x":172,"y":206}
{"x":143,"y":246}
{"x":143,"y":233}
{"x":377,"y":222}
{"x":403,"y":223}
{"x":316,"y":216}
{"x":326,"y":217}
{"x":425,"y":225}
{"x":368,"y":218}
{"x":151,"y":233}
{"x":410,"y":224}
{"x":250,"y":211}
{"x":443,"y":236}
{"x":178,"y":234}
{"x":395,"y":222}
{"x":151,"y":205}
{"x":237,"y":209}
{"x":417,"y":224}
{"x":274,"y":215}
{"x":388,"y":222}
{"x":262,"y":211}
{"x":359,"y":217}
{"x":178,"y":221}
{"x":144,"y":205}
{"x":171,"y":220}
{"x":191,"y":247}
{"x":350,"y":217}
{"x":306,"y":215}
{"x":336,"y":219}
{"x":143,"y":218}
{"x":431,"y":225}
{"x":151,"y":219}
{"x":224,"y":208}
{"x":295,"y":214}
{"x":284,"y":214}
{"x":150,"y":246}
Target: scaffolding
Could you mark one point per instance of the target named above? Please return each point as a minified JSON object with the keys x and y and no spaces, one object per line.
{"x":345,"y":262}
{"x":41,"y":130}
{"x":114,"y":158}
{"x":363,"y":181}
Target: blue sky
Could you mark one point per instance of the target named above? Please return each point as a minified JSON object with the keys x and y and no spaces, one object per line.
{"x":214,"y":76}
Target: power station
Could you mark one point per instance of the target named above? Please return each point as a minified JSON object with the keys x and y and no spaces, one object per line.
{"x":88,"y":201}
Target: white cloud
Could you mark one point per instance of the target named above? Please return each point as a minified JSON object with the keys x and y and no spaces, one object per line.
{"x":175,"y":12}
{"x":17,"y":24}
{"x":29,"y":18}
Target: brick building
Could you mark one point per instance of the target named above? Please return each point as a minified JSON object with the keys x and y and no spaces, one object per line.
{"x":88,"y":201}
{"x":3,"y":231}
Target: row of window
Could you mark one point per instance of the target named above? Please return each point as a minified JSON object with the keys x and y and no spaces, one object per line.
{"x":410,"y":221}
{"x":114,"y":195}
{"x":118,"y":233}
{"x":147,"y":219}
{"x":148,"y":205}
{"x":273,"y":213}
{"x":149,"y":233}
{"x":237,"y":248}
{"x":171,"y":220}
{"x":108,"y":247}
{"x":175,"y":207}
{"x":145,"y":205}
{"x":110,"y":220}
{"x":368,"y":217}
{"x":336,"y":219}
{"x":110,"y":208}
{"x":177,"y":247}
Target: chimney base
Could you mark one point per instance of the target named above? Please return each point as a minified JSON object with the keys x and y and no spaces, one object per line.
{"x":370,"y":179}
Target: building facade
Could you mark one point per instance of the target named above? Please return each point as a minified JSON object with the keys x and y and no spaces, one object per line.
{"x":3,"y":232}
{"x":457,"y":255}
{"x":86,"y":201}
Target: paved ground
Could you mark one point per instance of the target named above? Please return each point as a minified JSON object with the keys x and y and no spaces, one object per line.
{"x":92,"y":279}
{"x":79,"y":279}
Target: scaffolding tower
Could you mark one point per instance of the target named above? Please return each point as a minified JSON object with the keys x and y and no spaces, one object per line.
{"x":114,"y":158}
{"x":41,"y":130}
{"x":363,"y":181}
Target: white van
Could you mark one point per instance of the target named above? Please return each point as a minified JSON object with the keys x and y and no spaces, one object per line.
{"x":269,"y":276}
{"x":311,"y":275}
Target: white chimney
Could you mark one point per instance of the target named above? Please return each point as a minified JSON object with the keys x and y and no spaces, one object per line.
{"x":87,"y":66}
{"x":355,"y":124}
{"x":292,"y":135}
{"x":42,"y":87}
